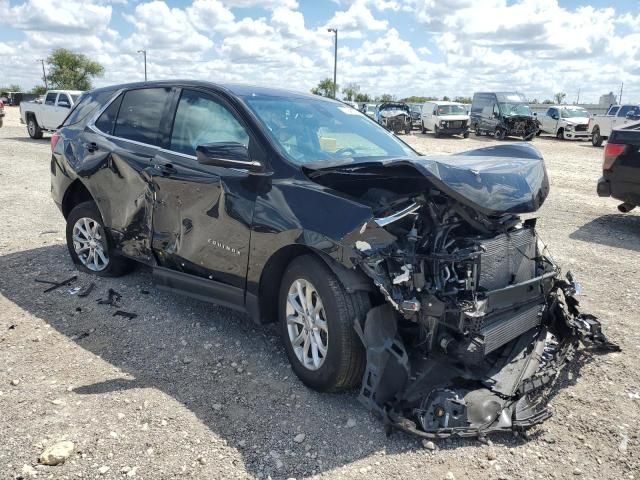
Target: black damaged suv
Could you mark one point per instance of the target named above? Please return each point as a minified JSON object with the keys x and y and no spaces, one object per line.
{"x":410,"y":275}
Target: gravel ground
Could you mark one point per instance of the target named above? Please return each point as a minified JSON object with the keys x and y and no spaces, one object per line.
{"x":187,"y":389}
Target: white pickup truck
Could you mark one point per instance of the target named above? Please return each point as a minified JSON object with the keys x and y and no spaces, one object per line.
{"x":566,"y":122}
{"x":48,"y":116}
{"x":600,"y":126}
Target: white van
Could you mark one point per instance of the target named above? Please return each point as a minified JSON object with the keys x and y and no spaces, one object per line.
{"x":445,"y":118}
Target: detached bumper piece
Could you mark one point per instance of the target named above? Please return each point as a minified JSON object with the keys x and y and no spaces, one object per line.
{"x":506,"y":388}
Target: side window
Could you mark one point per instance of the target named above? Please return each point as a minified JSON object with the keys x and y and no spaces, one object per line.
{"x":550,"y":112}
{"x":200,"y":120}
{"x":613,"y":110}
{"x":107,"y":120}
{"x":496,"y":110}
{"x":86,"y":104}
{"x":624,"y":109}
{"x":63,"y":100}
{"x":140,"y":115}
{"x":50,"y":99}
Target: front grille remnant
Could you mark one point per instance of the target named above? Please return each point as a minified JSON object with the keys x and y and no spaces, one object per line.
{"x":508,"y":259}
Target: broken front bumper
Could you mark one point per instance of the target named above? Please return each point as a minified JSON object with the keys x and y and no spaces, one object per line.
{"x":436,"y":397}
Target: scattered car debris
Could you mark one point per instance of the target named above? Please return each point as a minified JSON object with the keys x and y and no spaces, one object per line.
{"x":12,"y":327}
{"x":144,"y":292}
{"x":55,"y":285}
{"x":129,"y":315}
{"x":113,"y":299}
{"x":74,"y":290}
{"x":87,"y":290}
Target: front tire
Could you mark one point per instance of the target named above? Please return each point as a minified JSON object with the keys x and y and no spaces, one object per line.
{"x":466,"y":134}
{"x":316,"y":316}
{"x":501,"y":133}
{"x":560,"y":134}
{"x":90,"y":245}
{"x":477,"y":131}
{"x":436,"y":131}
{"x":596,"y":138}
{"x":424,"y":130}
{"x":33,"y":128}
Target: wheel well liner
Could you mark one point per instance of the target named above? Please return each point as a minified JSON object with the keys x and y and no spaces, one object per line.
{"x":76,"y":193}
{"x":351,"y":279}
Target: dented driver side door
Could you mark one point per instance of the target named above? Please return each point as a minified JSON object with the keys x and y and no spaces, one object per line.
{"x":202,"y":214}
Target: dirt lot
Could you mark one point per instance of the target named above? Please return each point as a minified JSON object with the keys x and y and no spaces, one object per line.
{"x":187,"y":389}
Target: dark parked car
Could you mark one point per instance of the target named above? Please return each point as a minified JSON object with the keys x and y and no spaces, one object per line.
{"x":621,"y":168}
{"x":410,"y":275}
{"x":503,"y":114}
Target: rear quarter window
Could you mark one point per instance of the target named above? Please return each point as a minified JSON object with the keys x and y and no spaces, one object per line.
{"x":87,"y":104}
{"x":106,"y":122}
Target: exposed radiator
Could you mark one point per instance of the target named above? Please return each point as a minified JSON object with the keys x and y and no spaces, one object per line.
{"x":508,"y":259}
{"x":503,"y":330}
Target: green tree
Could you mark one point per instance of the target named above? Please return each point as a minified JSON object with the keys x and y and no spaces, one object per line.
{"x":350,"y":91}
{"x":547,"y":102}
{"x":72,"y":71}
{"x":446,"y":99}
{"x":386,"y":97}
{"x":418,"y":99}
{"x":534,"y":101}
{"x":362,"y":98}
{"x":324,"y":88}
{"x":559,"y":97}
{"x":463,"y":100}
{"x":39,"y":90}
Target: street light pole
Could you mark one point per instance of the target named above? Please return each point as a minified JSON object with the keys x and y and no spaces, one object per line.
{"x":335,"y":58}
{"x":144,"y":53}
{"x":44,"y":74}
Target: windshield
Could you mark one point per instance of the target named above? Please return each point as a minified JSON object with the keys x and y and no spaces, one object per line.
{"x":573,"y":113}
{"x":310,"y":130}
{"x":515,"y":109}
{"x":451,"y":110}
{"x":371,"y":108}
{"x":416,"y":108}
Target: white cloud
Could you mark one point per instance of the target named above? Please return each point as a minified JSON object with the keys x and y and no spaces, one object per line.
{"x":55,"y":15}
{"x":356,"y":20}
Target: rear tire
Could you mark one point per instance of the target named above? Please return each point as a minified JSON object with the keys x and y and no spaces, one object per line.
{"x":33,"y":128}
{"x":343,"y":364}
{"x":85,"y":217}
{"x":596,"y":138}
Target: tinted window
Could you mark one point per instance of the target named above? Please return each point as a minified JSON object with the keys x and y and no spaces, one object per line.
{"x":201,"y":120}
{"x":140,"y":115}
{"x":88,"y":103}
{"x":51,"y":99}
{"x":107,"y":120}
{"x":613,"y":110}
{"x":624,"y":109}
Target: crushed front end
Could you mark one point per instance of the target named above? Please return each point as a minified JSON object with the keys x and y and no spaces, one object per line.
{"x":475,"y":321}
{"x":524,"y":126}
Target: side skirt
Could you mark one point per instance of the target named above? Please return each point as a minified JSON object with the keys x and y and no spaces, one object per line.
{"x":200,"y":288}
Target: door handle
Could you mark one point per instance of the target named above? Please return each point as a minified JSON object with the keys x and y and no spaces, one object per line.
{"x":166,"y":169}
{"x":91,"y":147}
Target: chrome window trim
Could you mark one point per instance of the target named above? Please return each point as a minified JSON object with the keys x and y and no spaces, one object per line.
{"x":92,"y":126}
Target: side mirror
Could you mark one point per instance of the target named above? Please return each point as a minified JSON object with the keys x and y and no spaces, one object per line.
{"x":227,"y":155}
{"x":64,"y":104}
{"x":555,"y":117}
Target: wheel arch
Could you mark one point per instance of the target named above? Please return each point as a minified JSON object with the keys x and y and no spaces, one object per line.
{"x":75,"y":194}
{"x":269,"y":287}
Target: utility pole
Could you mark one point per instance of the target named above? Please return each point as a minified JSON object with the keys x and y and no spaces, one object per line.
{"x":144,"y":53}
{"x":44,"y":74}
{"x":621,"y":87}
{"x":335,"y":58}
{"x":578,"y":99}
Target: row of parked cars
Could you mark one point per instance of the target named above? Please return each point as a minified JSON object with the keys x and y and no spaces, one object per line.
{"x":501,"y":114}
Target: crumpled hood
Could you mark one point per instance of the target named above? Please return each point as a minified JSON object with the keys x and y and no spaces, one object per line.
{"x":493,"y":180}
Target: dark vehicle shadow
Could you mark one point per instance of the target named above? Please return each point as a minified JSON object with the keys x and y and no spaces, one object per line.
{"x":28,"y":139}
{"x":151,"y":348}
{"x":621,"y":230}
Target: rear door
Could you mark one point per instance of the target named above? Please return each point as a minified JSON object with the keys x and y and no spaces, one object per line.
{"x":47,"y":111}
{"x":118,"y":150}
{"x":202,"y":214}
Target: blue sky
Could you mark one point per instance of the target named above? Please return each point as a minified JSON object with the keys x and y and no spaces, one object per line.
{"x":410,"y":47}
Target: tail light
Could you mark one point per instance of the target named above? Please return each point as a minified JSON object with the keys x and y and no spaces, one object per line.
{"x":54,"y":140}
{"x":611,"y":152}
